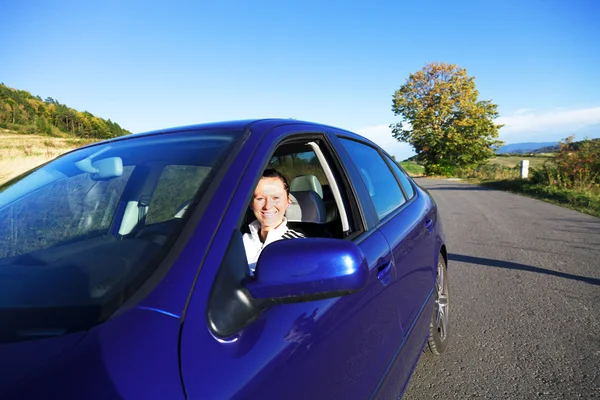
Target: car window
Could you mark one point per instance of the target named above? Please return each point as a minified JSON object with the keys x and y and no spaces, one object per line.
{"x":176,"y":187}
{"x":404,"y":181}
{"x":74,"y":208}
{"x":320,"y":205}
{"x":66,"y":263}
{"x":298,"y":164}
{"x":377,"y":176}
{"x":304,"y":172}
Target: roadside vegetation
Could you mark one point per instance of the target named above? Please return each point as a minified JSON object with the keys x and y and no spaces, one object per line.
{"x":412,"y":168}
{"x":454,"y":134}
{"x":570,"y":178}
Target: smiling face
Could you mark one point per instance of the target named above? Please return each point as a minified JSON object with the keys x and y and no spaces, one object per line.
{"x":270,"y":202}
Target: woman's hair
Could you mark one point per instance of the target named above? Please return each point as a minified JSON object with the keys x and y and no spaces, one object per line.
{"x":273,"y":173}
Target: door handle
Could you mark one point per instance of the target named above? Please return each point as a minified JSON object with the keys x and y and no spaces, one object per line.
{"x":429,"y":225}
{"x":384,"y":274}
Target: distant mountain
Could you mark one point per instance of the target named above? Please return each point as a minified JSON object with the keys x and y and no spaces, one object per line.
{"x":525,"y":147}
{"x":548,"y":149}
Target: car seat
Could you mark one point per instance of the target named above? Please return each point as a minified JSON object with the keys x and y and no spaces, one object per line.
{"x":307,"y":214}
{"x":311,"y":182}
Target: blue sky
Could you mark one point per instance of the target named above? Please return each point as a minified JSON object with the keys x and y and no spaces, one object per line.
{"x":150,"y":65}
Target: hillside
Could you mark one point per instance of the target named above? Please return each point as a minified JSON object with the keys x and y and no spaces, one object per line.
{"x":527,"y":147}
{"x":536,"y":148}
{"x":552,"y":149}
{"x":22,"y":112}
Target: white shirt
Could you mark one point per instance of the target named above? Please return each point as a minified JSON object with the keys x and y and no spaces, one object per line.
{"x":254,"y":245}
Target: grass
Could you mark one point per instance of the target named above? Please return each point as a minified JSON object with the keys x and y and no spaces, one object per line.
{"x":568,"y":180}
{"x":586,"y":200}
{"x":583,"y":201}
{"x":412,"y":168}
{"x":513,"y":161}
{"x":21,"y":152}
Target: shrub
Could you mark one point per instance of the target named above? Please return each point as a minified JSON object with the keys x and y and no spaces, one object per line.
{"x":576,"y":166}
{"x":489,"y":172}
{"x":440,"y":168}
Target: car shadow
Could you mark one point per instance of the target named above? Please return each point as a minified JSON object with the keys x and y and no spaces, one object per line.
{"x":521,"y":267}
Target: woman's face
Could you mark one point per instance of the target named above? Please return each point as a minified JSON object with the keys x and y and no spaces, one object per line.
{"x":270,"y":202}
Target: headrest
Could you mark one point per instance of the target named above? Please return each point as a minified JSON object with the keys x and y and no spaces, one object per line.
{"x":306,"y":182}
{"x":306,"y":206}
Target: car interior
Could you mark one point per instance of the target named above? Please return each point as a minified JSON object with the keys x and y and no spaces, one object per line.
{"x":316,"y":202}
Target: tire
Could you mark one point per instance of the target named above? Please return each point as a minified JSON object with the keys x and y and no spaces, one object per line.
{"x":439,"y":324}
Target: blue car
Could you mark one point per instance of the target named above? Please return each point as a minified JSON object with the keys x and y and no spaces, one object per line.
{"x":123,"y":272}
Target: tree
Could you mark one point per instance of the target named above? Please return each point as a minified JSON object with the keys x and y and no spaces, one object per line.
{"x":28,"y":113}
{"x":444,"y":120}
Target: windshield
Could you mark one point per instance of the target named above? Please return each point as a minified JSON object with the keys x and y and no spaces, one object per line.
{"x":81,"y":234}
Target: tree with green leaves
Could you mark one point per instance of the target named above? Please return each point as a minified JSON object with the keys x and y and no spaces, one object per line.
{"x":23,"y":112}
{"x":444,"y":120}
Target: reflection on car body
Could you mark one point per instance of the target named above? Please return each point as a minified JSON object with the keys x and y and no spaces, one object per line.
{"x":123,"y":272}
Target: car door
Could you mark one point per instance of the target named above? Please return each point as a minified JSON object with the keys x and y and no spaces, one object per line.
{"x":418,"y":219}
{"x":416,"y":276}
{"x":406,"y":225}
{"x":334,"y":348}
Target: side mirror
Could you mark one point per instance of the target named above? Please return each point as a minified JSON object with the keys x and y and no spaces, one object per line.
{"x":297,"y":270}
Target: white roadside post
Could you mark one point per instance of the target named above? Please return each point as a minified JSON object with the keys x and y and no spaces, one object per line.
{"x":524,"y":169}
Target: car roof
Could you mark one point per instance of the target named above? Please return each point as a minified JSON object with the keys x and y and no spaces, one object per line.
{"x":265,"y":125}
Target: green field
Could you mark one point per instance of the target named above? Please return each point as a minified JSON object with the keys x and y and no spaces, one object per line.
{"x":512,"y":161}
{"x":412,"y":168}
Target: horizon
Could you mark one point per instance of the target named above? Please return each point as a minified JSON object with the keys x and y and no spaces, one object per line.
{"x":155,"y":66}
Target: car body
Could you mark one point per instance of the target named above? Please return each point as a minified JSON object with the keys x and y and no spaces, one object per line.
{"x":123,"y":272}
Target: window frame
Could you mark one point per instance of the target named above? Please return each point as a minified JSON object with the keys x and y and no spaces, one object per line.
{"x":352,"y":206}
{"x":390,"y":160}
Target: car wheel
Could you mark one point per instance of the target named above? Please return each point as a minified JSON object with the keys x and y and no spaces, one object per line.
{"x":438,"y":327}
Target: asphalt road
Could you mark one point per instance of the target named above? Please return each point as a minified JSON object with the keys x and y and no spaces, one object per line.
{"x":525,"y":299}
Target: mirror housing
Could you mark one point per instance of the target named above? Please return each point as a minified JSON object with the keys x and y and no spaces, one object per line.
{"x":108,"y":168}
{"x":297,"y":270}
{"x":104,"y":169}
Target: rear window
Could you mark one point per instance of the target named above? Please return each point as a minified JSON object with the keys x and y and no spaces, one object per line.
{"x":79,"y":235}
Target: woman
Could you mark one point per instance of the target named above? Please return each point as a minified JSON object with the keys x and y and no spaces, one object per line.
{"x":270,"y":201}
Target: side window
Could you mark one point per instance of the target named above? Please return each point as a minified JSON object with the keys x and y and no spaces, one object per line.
{"x":320,"y":204}
{"x":303,"y":172}
{"x":408,"y":189}
{"x":299,"y":164}
{"x":378,"y":178}
{"x":176,"y":186}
